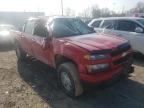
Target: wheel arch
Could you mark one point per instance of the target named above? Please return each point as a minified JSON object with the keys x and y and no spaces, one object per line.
{"x":59,"y":59}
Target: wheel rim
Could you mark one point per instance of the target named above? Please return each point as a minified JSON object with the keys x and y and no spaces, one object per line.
{"x":66,"y":81}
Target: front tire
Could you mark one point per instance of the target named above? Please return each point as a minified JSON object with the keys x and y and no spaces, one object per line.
{"x":69,"y":79}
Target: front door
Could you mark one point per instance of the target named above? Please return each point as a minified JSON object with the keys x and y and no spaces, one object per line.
{"x":41,"y":43}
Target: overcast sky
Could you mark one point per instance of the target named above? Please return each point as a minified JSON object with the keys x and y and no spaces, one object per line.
{"x":54,"y":6}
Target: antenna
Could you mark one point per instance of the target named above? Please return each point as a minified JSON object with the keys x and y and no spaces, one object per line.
{"x":62,"y":6}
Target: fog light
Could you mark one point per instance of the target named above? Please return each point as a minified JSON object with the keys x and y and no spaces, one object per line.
{"x":98,"y":68}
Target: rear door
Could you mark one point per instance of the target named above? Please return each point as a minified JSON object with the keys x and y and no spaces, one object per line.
{"x":26,"y":36}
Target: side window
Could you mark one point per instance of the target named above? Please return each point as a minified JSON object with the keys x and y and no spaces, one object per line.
{"x":125,"y":25}
{"x":59,"y":28}
{"x":29,"y":27}
{"x":40,"y":28}
{"x":96,"y":23}
{"x":108,"y":24}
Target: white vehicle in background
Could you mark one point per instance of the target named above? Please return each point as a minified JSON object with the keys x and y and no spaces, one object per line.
{"x":130,"y":28}
{"x":6,"y":38}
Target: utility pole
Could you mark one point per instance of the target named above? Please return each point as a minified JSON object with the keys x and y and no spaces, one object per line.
{"x":62,"y":6}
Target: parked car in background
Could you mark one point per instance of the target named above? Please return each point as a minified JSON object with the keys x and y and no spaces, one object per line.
{"x":87,"y":21}
{"x":130,"y":28}
{"x":139,"y":15}
{"x":75,"y":51}
{"x":6,"y":37}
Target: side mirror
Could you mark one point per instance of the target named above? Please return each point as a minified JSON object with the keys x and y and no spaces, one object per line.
{"x":139,"y":30}
{"x":46,"y":42}
{"x":91,"y":28}
{"x":48,"y":39}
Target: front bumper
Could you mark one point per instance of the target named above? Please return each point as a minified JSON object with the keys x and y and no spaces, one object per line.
{"x":105,"y":76}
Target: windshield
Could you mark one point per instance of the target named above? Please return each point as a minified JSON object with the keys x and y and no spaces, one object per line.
{"x":63,"y":27}
{"x":141,"y":21}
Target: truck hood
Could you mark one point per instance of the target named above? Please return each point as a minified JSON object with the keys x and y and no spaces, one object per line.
{"x":92,"y":42}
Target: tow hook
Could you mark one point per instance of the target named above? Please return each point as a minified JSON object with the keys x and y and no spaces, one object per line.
{"x":131,"y":69}
{"x":128,"y":70}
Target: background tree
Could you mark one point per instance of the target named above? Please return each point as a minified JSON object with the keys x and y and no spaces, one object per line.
{"x":139,"y":8}
{"x":86,"y":13}
{"x":69,"y":12}
{"x":105,"y":12}
{"x":95,"y":12}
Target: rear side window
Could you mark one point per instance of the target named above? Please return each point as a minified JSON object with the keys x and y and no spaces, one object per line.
{"x":108,"y":24}
{"x":96,"y":23}
{"x":29,"y":27}
{"x":125,"y":25}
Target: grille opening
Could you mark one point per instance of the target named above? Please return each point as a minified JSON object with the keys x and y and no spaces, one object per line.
{"x":120,"y":49}
{"x":122,"y":60}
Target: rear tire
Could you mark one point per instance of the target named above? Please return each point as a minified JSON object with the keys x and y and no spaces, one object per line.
{"x":20,"y":53}
{"x":69,"y":79}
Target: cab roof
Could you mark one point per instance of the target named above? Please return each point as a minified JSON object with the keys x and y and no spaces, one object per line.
{"x":49,"y":18}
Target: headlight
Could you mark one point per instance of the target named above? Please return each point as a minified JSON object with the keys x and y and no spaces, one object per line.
{"x":4,"y":33}
{"x":96,"y":56}
{"x":97,"y":68}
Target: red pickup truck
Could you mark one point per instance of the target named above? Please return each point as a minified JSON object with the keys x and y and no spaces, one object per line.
{"x":75,"y":51}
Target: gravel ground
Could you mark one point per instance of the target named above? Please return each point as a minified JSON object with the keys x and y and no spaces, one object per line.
{"x":32,"y":84}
